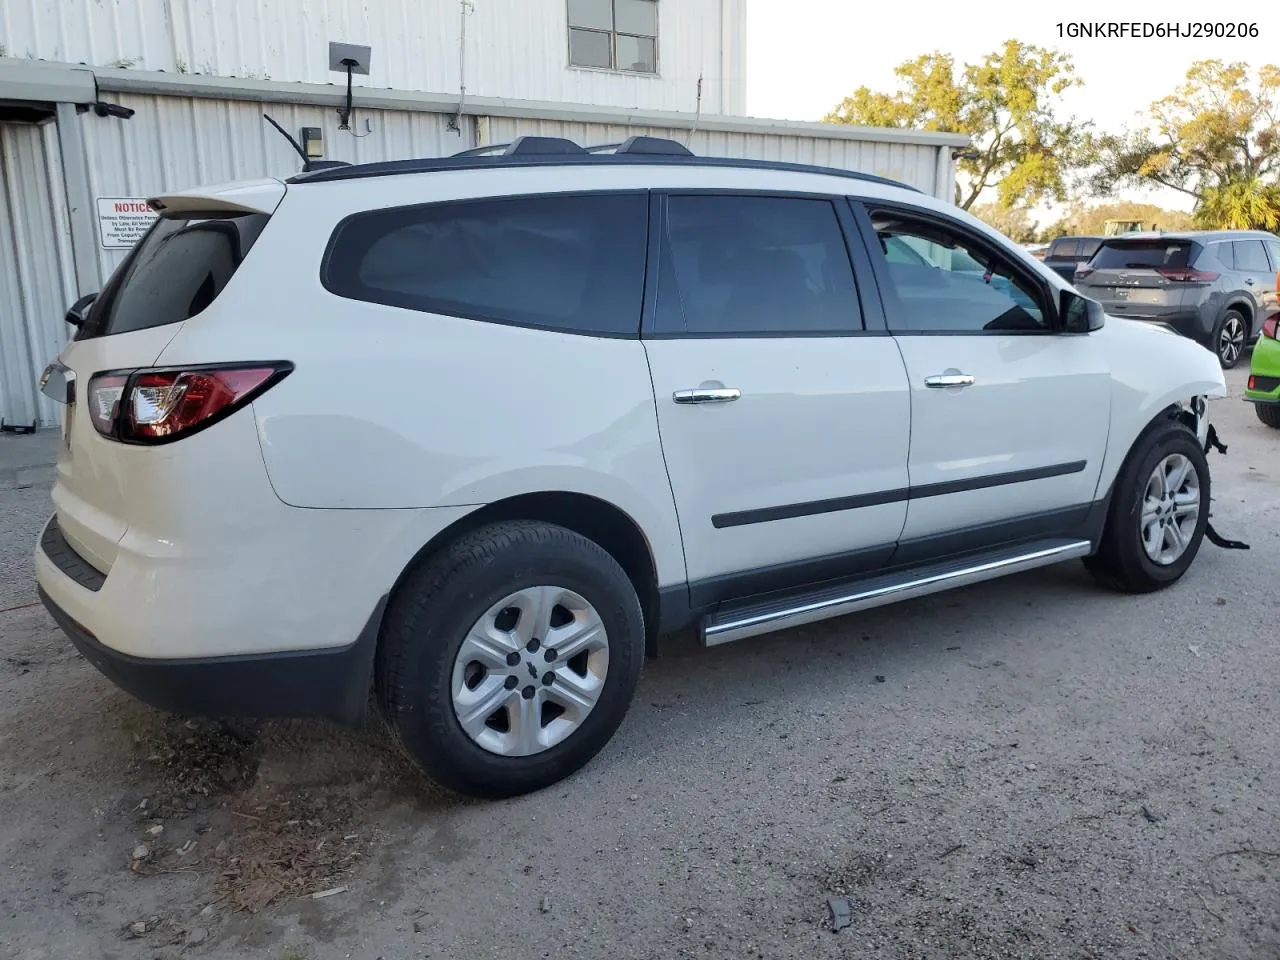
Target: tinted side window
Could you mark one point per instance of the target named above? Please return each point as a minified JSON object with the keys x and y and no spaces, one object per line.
{"x":176,"y":271}
{"x":1221,"y":252}
{"x":958,"y":286}
{"x":572,"y":263}
{"x":1273,"y":248}
{"x":755,"y":265}
{"x":1064,"y":248}
{"x":1251,"y":256}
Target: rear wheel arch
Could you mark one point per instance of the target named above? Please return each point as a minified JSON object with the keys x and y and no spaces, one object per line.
{"x":1244,"y":308}
{"x":598,"y":520}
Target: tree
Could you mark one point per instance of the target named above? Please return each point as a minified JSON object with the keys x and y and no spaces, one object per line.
{"x":1008,"y":105}
{"x":1091,"y":221}
{"x":1014,"y":222}
{"x":1215,"y":139}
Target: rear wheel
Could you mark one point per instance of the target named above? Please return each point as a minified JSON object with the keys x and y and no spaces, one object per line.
{"x":510,"y":658}
{"x":1229,"y":338}
{"x":1159,"y":510}
{"x":1268,"y":413}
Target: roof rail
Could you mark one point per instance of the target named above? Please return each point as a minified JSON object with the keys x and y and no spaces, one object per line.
{"x":488,"y":151}
{"x":392,"y":168}
{"x":659,"y":146}
{"x":526,"y":146}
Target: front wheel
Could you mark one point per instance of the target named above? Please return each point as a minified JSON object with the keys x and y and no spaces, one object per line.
{"x":1268,"y":413}
{"x":510,"y":658}
{"x":1159,"y":511}
{"x":1229,"y":338}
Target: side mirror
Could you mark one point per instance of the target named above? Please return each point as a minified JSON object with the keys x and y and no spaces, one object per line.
{"x":79,"y":309}
{"x":1080,"y":314}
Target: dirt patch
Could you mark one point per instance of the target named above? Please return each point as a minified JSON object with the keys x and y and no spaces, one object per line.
{"x":289,"y":844}
{"x":267,"y":812}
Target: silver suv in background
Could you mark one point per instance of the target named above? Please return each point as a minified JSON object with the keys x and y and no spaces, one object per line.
{"x":1215,"y":287}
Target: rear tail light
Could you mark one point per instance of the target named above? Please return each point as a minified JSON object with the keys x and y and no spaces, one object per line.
{"x":1269,"y":328}
{"x":161,"y":405}
{"x":1186,"y":275}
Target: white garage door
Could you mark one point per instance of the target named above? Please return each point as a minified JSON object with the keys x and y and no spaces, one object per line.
{"x":37,"y":281}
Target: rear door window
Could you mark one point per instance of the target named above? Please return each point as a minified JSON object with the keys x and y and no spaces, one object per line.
{"x":175,"y":272}
{"x":573,"y":263}
{"x":756,"y":266}
{"x":1251,"y":256}
{"x":1141,"y":254}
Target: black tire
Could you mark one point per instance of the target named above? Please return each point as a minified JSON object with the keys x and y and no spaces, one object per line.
{"x":1121,"y":561}
{"x":1268,"y":413}
{"x":1230,"y":350}
{"x":437,"y":604}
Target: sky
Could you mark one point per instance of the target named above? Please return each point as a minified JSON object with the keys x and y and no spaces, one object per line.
{"x":804,"y":56}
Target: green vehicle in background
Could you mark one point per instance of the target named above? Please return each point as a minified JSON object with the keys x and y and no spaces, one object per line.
{"x":1263,"y":389}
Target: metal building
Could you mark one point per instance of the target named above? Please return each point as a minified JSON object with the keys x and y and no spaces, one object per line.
{"x":98,"y":114}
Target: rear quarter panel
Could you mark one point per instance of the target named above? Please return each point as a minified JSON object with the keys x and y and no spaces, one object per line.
{"x":393,"y":409}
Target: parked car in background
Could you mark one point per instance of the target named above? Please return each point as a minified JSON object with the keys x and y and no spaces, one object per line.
{"x":1211,"y":286}
{"x":1263,"y":388}
{"x":1066,"y":253}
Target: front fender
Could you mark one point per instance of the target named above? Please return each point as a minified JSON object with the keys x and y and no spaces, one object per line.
{"x":1154,"y":369}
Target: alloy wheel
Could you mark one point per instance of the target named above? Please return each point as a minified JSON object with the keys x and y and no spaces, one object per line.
{"x":1170,"y":509}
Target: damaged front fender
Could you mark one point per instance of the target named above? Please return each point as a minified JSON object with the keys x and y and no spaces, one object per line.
{"x":1195,"y":413}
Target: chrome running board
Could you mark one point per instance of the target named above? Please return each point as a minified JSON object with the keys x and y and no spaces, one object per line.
{"x":741,"y":622}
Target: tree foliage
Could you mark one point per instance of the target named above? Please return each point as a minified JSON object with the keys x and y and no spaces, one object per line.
{"x":1014,"y":222}
{"x":1009,"y":105}
{"x":1085,"y":221}
{"x":1215,"y":139}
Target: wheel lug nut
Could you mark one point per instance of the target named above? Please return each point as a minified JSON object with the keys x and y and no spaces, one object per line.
{"x":533,"y":645}
{"x":513,"y":659}
{"x":548,"y":678}
{"x":510,"y":683}
{"x":527,"y":693}
{"x":550,"y":654}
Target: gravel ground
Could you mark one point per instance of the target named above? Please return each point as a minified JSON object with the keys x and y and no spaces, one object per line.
{"x":1029,"y":768}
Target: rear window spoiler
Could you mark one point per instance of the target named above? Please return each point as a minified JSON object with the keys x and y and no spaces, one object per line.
{"x":251,"y":196}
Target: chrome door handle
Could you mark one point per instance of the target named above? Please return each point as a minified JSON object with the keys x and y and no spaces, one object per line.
{"x":707,"y":395}
{"x":949,"y":380}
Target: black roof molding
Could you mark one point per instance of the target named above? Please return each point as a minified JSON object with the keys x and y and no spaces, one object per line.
{"x":395,"y":168}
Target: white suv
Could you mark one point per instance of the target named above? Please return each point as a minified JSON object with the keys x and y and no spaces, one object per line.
{"x":470,"y":433}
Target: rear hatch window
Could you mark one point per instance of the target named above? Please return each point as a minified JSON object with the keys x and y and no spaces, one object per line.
{"x":175,"y":272}
{"x":1142,"y":254}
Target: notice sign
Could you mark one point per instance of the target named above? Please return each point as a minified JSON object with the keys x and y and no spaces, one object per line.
{"x":123,"y":220}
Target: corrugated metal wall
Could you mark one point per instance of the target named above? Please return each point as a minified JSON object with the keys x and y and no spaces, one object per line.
{"x":37,"y":280}
{"x":173,"y":143}
{"x":915,"y":164}
{"x":513,"y":47}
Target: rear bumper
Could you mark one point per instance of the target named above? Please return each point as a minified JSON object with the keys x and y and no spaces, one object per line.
{"x":1264,"y":372}
{"x":330,"y":684}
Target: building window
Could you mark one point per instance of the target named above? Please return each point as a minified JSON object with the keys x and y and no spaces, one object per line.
{"x":614,"y":35}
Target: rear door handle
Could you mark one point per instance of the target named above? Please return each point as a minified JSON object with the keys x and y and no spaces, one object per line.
{"x":707,"y":395}
{"x":949,"y":380}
